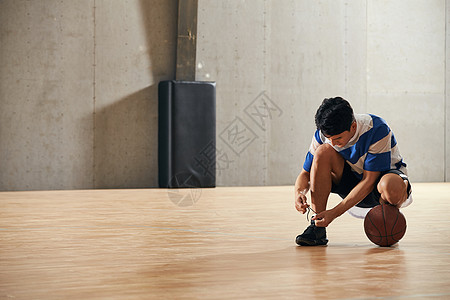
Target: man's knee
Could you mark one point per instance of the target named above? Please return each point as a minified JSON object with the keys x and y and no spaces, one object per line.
{"x":325,"y":151}
{"x":392,"y":189}
{"x":327,"y":157}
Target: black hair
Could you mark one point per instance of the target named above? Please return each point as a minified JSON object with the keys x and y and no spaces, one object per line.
{"x":334,"y":116}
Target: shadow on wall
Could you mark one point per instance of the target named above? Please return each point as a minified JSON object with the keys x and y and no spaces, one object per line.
{"x":126,"y":132}
{"x":126,"y":135}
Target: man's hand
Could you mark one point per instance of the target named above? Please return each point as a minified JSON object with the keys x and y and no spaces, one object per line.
{"x":301,"y":203}
{"x":324,"y":218}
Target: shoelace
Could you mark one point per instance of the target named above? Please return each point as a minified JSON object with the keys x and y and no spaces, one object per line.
{"x":307,"y":214}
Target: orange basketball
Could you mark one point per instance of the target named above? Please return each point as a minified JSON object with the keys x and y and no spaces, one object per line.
{"x":385,"y":225}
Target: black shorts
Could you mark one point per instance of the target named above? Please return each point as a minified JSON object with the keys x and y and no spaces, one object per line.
{"x":349,"y":180}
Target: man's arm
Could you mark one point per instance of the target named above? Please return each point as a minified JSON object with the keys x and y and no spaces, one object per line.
{"x":301,"y":188}
{"x":359,"y":192}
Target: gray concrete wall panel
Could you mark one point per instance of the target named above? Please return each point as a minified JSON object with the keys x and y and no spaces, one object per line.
{"x":406,"y":79}
{"x":46,"y":93}
{"x":447,"y":96}
{"x":135,"y":49}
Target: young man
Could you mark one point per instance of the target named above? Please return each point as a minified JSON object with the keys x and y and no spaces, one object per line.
{"x":355,"y":156}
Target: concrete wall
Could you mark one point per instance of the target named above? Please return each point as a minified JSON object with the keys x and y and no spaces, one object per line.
{"x":385,"y":57}
{"x":78,"y":84}
{"x":135,"y":50}
{"x":78,"y":100}
{"x":46,"y":90}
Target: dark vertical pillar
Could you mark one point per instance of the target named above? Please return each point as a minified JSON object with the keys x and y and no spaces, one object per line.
{"x":187,"y":39}
{"x":186,"y":115}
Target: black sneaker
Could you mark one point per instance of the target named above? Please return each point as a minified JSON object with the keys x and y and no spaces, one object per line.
{"x":312,"y":236}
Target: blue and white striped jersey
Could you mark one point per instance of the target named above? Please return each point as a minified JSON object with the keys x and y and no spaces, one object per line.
{"x":372,"y":148}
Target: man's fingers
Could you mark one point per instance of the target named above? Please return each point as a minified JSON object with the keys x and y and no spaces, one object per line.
{"x":319,"y":220}
{"x":300,"y":204}
{"x":320,"y":223}
{"x":317,"y":217}
{"x":302,"y":207}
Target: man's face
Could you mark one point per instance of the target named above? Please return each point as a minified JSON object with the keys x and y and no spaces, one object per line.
{"x":342,"y":139}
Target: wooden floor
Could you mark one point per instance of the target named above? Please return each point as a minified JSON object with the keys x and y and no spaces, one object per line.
{"x":222,"y":243}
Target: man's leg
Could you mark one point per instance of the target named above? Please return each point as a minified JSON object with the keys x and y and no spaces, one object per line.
{"x":393,"y":189}
{"x":327,"y":167}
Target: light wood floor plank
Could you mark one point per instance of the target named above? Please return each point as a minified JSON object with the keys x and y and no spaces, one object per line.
{"x":222,"y":243}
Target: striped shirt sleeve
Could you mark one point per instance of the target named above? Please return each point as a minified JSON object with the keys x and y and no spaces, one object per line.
{"x":378,"y":157}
